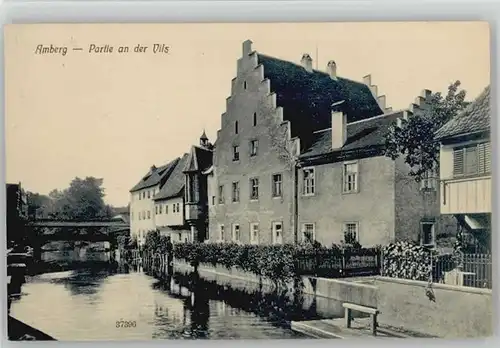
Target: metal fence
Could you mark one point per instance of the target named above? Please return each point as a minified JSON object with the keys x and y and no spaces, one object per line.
{"x":336,"y":264}
{"x":474,"y":270}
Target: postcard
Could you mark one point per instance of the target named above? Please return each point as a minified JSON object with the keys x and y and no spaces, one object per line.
{"x":248,"y":181}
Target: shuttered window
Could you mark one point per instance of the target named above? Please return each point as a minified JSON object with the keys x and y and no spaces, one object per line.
{"x":473,"y":159}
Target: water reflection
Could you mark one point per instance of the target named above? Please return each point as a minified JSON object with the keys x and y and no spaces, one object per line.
{"x":84,"y":304}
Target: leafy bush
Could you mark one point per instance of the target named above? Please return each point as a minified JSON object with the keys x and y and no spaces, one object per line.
{"x":276,"y":262}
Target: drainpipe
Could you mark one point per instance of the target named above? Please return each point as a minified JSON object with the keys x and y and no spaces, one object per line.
{"x":296,"y":201}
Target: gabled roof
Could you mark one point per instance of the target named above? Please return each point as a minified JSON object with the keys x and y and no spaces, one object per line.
{"x":156,"y":176}
{"x":307,"y":97}
{"x":474,"y":118}
{"x":174,"y":186}
{"x":200,"y":159}
{"x":364,"y":134}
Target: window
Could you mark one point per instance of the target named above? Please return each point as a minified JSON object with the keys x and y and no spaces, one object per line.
{"x":149,"y":214}
{"x":149,"y":194}
{"x":277,"y":230}
{"x":173,"y":208}
{"x":166,"y":208}
{"x":350,"y":177}
{"x":236,"y":153}
{"x":139,"y":196}
{"x":244,"y":85}
{"x":192,"y":191}
{"x":277,"y":182}
{"x":254,"y":144}
{"x":308,"y":232}
{"x":221,"y":194}
{"x":350,"y":232}
{"x":236,"y":192}
{"x":429,"y":181}
{"x":427,"y":232}
{"x":213,"y":200}
{"x":236,"y":127}
{"x":236,"y":233}
{"x":254,"y":119}
{"x":156,"y":210}
{"x":160,"y":208}
{"x":144,"y":194}
{"x":254,"y":188}
{"x":472,"y":159}
{"x":308,"y":181}
{"x":254,"y":233}
{"x":221,"y":232}
{"x":178,"y":209}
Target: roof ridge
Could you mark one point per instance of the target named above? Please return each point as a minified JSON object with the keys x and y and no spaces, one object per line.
{"x":300,"y":66}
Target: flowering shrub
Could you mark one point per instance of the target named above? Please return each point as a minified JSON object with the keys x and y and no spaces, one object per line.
{"x":407,"y":260}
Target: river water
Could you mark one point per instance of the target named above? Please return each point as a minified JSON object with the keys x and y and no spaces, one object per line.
{"x":88,"y":303}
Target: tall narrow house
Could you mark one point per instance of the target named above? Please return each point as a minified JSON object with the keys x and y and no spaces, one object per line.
{"x":196,"y":170}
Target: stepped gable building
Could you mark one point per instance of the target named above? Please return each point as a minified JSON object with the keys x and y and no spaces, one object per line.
{"x":142,"y":206}
{"x":271,"y":117}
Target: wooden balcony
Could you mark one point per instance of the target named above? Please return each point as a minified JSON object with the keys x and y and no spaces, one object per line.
{"x":468,"y":195}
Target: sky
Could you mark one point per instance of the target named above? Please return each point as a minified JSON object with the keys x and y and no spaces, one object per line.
{"x":114,"y":115}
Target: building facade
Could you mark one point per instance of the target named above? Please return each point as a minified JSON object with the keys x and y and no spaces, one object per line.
{"x":465,"y":167}
{"x":350,"y":191}
{"x":169,"y":205}
{"x":196,"y":171}
{"x":142,"y":204}
{"x":271,"y":116}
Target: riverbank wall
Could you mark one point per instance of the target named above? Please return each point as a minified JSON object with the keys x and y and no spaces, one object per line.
{"x":441,"y":310}
{"x":335,"y":289}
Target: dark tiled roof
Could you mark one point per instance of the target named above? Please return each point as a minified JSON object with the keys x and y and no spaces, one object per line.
{"x":474,"y":118}
{"x":307,"y":98}
{"x":175,"y":183}
{"x":200,"y":159}
{"x":155,"y":177}
{"x":360,"y":135}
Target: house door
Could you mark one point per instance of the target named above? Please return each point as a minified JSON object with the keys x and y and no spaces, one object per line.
{"x":277,"y":230}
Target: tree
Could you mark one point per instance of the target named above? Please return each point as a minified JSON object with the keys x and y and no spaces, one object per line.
{"x":414,"y":138}
{"x":82,"y":200}
{"x":38,"y":205}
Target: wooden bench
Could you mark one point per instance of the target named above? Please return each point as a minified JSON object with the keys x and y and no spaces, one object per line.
{"x":349,"y":307}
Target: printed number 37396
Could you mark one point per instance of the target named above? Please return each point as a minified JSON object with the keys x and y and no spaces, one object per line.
{"x":125,"y":323}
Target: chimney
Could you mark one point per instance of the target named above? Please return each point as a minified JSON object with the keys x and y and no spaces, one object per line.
{"x":339,"y":129}
{"x":332,"y":69}
{"x":307,"y":62}
{"x":153,"y":168}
